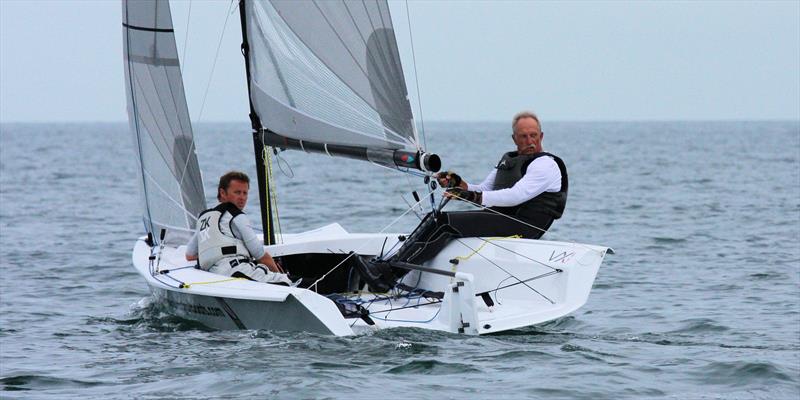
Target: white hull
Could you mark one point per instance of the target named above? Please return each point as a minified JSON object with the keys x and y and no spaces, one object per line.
{"x":224,"y":303}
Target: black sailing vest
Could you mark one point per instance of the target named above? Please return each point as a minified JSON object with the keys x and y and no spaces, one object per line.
{"x":512,"y":168}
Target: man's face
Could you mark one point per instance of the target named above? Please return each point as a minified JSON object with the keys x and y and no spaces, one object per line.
{"x":236,"y":193}
{"x":528,"y":136}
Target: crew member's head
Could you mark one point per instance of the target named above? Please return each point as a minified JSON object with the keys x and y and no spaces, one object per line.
{"x":233,"y":188}
{"x":528,"y":133}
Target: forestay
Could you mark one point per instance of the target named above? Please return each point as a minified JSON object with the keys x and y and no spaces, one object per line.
{"x":159,"y":120}
{"x":328,"y":72}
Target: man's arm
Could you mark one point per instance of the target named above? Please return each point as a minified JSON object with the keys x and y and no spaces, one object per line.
{"x":542,"y":175}
{"x":486,"y":185}
{"x":191,"y":248}
{"x":240,"y":228}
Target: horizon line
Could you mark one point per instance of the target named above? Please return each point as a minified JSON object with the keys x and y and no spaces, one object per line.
{"x":476,"y":121}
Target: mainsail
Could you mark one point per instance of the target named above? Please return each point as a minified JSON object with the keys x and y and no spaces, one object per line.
{"x":325,"y":76}
{"x":169,"y":175}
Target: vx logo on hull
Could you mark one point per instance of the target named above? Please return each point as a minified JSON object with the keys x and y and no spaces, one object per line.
{"x":562,"y":257}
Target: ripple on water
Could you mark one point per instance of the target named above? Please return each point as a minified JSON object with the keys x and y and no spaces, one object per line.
{"x":668,"y":240}
{"x":699,"y":325}
{"x":42,"y":382}
{"x":740,"y":373}
{"x":431,"y":367}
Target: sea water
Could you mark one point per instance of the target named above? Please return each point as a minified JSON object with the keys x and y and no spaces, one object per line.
{"x":701,"y":299}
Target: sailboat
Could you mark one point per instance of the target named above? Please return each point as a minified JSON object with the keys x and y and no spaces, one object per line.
{"x":323,"y":77}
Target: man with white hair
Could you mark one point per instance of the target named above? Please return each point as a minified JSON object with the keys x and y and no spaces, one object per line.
{"x":522,"y":196}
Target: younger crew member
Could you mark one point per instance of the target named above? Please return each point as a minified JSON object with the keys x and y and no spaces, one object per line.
{"x":224,"y":242}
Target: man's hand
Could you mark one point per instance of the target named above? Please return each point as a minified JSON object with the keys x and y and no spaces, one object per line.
{"x":464,"y":195}
{"x":450,"y":179}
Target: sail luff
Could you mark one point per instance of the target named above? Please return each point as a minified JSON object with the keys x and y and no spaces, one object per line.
{"x":169,"y":174}
{"x":132,"y":102}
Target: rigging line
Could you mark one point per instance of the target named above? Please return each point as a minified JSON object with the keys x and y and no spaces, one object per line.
{"x":409,"y":204}
{"x":504,"y":270}
{"x":169,"y":120}
{"x":205,"y":95}
{"x":154,"y":133}
{"x":481,"y":206}
{"x":167,"y":194}
{"x":522,"y":255}
{"x":267,"y":158}
{"x":486,"y":241}
{"x":158,"y":129}
{"x":540,"y":276}
{"x":231,"y":8}
{"x":186,"y":37}
{"x":405,"y":171}
{"x":362,"y":246}
{"x":416,"y":77}
{"x":404,"y":307}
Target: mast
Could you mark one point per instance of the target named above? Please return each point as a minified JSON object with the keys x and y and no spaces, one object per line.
{"x":258,"y":142}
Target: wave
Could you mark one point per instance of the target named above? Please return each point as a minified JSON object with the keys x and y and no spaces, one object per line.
{"x":39,"y":382}
{"x":741,"y":373}
{"x":432,"y":367}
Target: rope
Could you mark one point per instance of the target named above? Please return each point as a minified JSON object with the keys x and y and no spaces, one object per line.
{"x":188,"y":285}
{"x":485,"y":242}
{"x":216,"y":56}
{"x":314,"y":285}
{"x":273,"y":193}
{"x":416,"y":77}
{"x":186,"y":38}
{"x":481,"y":206}
{"x":508,"y":273}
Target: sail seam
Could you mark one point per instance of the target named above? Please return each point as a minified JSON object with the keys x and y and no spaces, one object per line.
{"x":142,"y":28}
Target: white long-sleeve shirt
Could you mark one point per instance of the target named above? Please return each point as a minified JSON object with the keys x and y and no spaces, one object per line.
{"x":542,"y":175}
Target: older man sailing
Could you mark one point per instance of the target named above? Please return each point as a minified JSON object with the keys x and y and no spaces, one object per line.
{"x":522,"y":196}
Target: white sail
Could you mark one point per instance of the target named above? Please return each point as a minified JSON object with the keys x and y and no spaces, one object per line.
{"x":329,"y":72}
{"x":169,"y":175}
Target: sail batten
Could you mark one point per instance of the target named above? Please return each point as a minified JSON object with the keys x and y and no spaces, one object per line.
{"x":329,"y":73}
{"x":169,"y":175}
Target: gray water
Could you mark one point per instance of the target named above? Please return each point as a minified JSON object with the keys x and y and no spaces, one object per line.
{"x":702,"y":299}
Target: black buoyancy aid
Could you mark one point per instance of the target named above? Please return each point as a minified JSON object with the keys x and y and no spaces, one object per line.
{"x":512,"y":168}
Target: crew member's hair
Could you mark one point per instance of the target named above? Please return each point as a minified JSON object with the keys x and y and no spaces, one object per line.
{"x":225,"y":180}
{"x":523,"y":114}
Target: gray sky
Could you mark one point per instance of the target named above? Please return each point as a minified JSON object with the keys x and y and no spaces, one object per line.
{"x":62,"y":60}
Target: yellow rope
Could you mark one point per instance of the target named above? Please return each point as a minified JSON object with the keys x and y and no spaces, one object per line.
{"x":274,"y":187}
{"x":264,"y":158}
{"x":485,"y":242}
{"x":273,"y":194}
{"x":188,"y":285}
